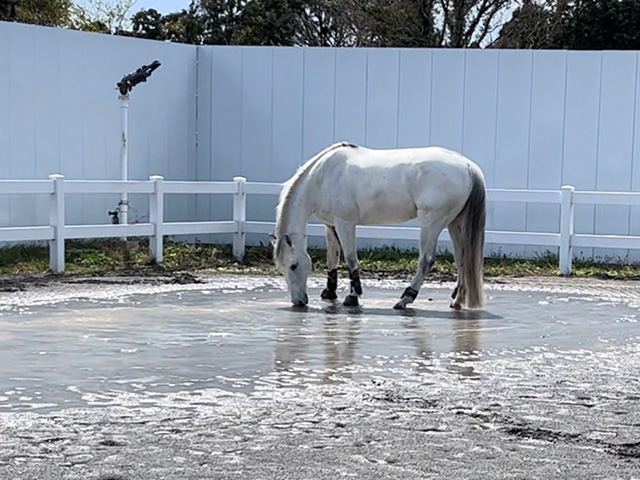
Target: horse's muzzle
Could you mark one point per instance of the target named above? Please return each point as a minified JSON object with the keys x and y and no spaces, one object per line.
{"x":302,"y":302}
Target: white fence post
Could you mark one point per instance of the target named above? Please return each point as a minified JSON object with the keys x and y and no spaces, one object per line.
{"x":566,"y":229}
{"x":156,"y":218}
{"x":239,"y":216}
{"x":56,"y":220}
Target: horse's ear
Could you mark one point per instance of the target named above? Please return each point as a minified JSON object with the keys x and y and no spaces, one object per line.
{"x":287,"y":239}
{"x":273,"y":240}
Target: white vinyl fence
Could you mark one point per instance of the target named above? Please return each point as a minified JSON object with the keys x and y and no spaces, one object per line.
{"x":58,"y":231}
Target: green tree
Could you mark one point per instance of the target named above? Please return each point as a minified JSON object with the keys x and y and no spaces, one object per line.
{"x":183,"y":27}
{"x":53,"y":13}
{"x":343,"y":23}
{"x":469,"y":23}
{"x":573,"y":24}
{"x":601,"y":25}
{"x":534,"y":25}
{"x":327,"y":23}
{"x":149,"y":24}
{"x":101,"y":16}
{"x":402,"y":23}
{"x":396,"y":23}
{"x":219,"y":20}
{"x":269,"y":22}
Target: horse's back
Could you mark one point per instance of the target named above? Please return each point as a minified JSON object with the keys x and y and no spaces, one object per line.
{"x":420,"y":170}
{"x":372,"y":186}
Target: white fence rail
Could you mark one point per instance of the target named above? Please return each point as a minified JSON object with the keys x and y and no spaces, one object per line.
{"x":57,"y":231}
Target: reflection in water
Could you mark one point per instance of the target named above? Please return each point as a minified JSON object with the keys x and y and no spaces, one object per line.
{"x":300,"y":344}
{"x":340,"y":341}
{"x":419,"y":336}
{"x":466,"y":345}
{"x":291,"y":342}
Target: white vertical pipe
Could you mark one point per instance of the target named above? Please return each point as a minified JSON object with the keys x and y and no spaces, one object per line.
{"x":57,"y":221}
{"x":567,"y":210}
{"x":239,"y":216}
{"x":123,"y":206}
{"x":156,"y":218}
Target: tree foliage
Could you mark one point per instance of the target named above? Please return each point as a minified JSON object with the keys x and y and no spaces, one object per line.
{"x":563,"y":24}
{"x":356,"y":23}
{"x":575,"y":25}
{"x":101,"y":16}
{"x":269,"y":22}
{"x":400,"y":23}
{"x":54,"y":13}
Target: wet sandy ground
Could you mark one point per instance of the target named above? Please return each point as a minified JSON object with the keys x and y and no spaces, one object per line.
{"x":221,"y":379}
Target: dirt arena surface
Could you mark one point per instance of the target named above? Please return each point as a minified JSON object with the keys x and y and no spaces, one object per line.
{"x":183,"y":377}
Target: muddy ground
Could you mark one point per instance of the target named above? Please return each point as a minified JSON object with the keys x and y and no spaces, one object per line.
{"x":533,"y":414}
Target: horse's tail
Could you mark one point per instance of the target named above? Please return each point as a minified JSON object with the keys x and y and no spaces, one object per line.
{"x":475,"y":212}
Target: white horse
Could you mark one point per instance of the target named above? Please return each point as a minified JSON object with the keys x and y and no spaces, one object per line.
{"x":346,"y":185}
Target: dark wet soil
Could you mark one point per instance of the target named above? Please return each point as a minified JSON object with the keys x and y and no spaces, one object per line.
{"x":18,"y":283}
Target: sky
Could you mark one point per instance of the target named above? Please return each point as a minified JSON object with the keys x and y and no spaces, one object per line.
{"x":162,"y":6}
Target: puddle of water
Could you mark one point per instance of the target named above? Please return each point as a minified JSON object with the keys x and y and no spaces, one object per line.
{"x":79,"y":353}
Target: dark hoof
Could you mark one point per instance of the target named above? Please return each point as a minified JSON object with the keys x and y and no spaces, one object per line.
{"x":399,"y":306}
{"x":328,"y":294}
{"x":351,"y":301}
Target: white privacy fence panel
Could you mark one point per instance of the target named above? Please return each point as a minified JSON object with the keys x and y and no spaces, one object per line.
{"x":59,"y":112}
{"x":530,"y":119}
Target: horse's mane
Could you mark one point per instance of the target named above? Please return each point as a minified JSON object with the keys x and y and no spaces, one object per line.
{"x":291,"y":185}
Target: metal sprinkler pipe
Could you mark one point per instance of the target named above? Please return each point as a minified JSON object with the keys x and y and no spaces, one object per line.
{"x":125,"y":86}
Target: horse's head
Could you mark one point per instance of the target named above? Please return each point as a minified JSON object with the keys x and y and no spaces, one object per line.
{"x":290,"y":255}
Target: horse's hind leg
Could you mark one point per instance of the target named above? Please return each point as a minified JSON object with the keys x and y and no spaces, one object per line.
{"x":458,"y":295}
{"x":333,"y":258}
{"x":429,"y":233}
{"x":347,"y":236}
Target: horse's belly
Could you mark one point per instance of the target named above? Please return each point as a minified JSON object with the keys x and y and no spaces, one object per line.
{"x":387,"y":214}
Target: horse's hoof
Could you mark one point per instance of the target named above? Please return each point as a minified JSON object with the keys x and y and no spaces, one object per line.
{"x":328,"y":294}
{"x":400,"y":306}
{"x":455,"y":306}
{"x":350,"y":301}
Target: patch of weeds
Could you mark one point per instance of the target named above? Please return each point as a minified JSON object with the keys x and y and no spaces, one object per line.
{"x":101,"y":256}
{"x":115,"y":255}
{"x":388,"y":260}
{"x":606,"y":270}
{"x":545,"y":264}
{"x":181,"y":255}
{"x":23,"y":259}
{"x":93,"y":259}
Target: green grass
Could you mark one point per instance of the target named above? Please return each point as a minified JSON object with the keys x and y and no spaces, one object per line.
{"x":115,"y":256}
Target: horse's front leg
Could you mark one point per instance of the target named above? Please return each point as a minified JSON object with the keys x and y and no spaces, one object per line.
{"x":333,"y":258}
{"x":347,"y":236}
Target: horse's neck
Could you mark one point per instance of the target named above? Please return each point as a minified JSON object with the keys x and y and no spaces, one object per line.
{"x":299,"y":209}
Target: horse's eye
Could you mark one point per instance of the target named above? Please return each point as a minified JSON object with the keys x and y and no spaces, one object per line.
{"x":294,"y":266}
